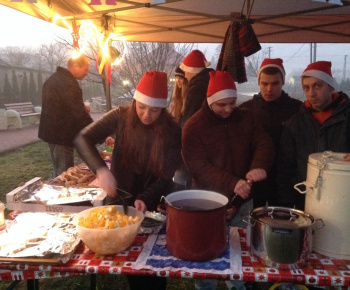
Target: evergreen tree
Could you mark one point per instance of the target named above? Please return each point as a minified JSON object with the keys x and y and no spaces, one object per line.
{"x":15,"y":86}
{"x":32,"y":89}
{"x":25,"y":88}
{"x":40,"y":87}
{"x":7,"y":89}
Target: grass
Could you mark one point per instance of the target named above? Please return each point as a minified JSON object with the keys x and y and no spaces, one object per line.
{"x":23,"y":164}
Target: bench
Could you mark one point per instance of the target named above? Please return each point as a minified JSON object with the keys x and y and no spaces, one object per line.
{"x":24,"y":110}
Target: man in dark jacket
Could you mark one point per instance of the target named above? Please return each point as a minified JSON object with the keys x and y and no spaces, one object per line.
{"x":63,"y":112}
{"x":196,"y":72}
{"x":323,"y":124}
{"x":272,"y":107}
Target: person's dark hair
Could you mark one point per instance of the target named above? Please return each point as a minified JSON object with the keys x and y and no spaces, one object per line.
{"x":80,"y":61}
{"x":148,"y":151}
{"x":270,"y":70}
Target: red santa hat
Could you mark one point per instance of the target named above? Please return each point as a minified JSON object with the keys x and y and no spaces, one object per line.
{"x":195,"y":62}
{"x":152,"y":90}
{"x":221,"y":86}
{"x":272,"y":62}
{"x":320,"y":70}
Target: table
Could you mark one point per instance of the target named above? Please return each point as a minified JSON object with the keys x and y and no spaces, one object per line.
{"x":320,"y":270}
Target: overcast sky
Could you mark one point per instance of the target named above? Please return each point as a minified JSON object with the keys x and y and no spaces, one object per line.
{"x":19,"y":29}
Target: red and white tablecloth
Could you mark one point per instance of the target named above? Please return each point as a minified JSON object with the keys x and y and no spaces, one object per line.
{"x":320,"y":270}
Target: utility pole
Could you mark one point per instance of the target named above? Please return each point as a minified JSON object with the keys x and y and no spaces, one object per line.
{"x":312,"y":52}
{"x":269,"y":51}
{"x":344,"y":68}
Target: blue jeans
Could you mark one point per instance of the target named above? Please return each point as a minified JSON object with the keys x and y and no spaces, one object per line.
{"x":62,"y":158}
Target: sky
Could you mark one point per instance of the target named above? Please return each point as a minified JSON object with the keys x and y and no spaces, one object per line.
{"x":19,"y":29}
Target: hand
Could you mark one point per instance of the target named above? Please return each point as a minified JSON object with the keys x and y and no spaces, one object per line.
{"x":347,"y":157}
{"x":106,"y":181}
{"x":109,"y":142}
{"x":256,"y":174}
{"x":140,"y":205}
{"x":242,"y":188}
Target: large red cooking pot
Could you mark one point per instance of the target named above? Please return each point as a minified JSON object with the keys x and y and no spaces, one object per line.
{"x":196,"y":224}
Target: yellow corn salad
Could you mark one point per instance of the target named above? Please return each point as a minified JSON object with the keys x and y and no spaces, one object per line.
{"x":106,"y":218}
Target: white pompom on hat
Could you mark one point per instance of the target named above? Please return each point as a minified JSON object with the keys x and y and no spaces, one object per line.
{"x":272,"y":62}
{"x":221,"y":86}
{"x":195,"y":62}
{"x":152,"y":90}
{"x":320,"y":70}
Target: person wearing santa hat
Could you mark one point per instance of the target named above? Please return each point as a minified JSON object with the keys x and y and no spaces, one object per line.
{"x":322,"y":124}
{"x":146,"y":153}
{"x":272,"y":106}
{"x":225,"y":149}
{"x":195,"y":67}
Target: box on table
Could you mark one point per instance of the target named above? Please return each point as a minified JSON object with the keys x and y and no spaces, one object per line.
{"x":13,"y":200}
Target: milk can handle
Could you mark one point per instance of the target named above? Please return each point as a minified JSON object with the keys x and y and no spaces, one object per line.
{"x":320,"y":226}
{"x":303,"y":191}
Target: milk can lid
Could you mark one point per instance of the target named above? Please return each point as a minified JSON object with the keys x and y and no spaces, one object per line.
{"x":332,"y":160}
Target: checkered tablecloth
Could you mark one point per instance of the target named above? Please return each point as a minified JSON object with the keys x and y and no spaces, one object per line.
{"x":319,"y":270}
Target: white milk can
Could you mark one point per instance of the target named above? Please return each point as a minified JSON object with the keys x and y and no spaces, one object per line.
{"x":328,"y":198}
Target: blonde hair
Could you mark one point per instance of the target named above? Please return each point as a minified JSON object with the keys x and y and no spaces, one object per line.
{"x":178,"y":100}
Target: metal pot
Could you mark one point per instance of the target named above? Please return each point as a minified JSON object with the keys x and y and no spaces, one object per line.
{"x":196,"y":224}
{"x":281,"y":237}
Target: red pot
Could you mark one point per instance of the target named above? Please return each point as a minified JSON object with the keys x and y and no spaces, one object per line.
{"x":196,"y":224}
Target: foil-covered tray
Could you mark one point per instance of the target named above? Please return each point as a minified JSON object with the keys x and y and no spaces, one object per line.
{"x":36,"y":195}
{"x":38,"y":237}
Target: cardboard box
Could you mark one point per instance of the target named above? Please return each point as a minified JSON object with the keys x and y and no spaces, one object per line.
{"x":13,"y":200}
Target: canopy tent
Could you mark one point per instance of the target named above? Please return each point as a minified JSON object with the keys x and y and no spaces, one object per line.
{"x":203,"y":21}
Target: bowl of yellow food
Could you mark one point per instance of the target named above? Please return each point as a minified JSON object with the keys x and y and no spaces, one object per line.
{"x":106,"y":229}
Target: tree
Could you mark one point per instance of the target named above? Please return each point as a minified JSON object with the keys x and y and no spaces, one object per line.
{"x":24,"y":88}
{"x":7,"y":89}
{"x":40,"y":87}
{"x":50,"y":56}
{"x":15,"y":87}
{"x":17,"y":56}
{"x":254,"y":61}
{"x":32,"y":89}
{"x":140,"y":58}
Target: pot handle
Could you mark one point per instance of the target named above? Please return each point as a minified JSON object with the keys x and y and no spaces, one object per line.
{"x":320,"y":226}
{"x":161,"y":208}
{"x":247,"y":219}
{"x":307,"y":185}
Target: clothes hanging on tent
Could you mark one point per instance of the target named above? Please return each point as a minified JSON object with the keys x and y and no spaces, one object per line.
{"x":240,"y":41}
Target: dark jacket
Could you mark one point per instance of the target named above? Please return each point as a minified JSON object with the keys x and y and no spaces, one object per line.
{"x":271,"y":116}
{"x":196,"y":95}
{"x":219,"y":152}
{"x":63,"y":112}
{"x":146,"y":187}
{"x":303,"y":135}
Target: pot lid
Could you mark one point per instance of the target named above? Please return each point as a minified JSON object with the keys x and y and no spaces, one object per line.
{"x":282,"y":217}
{"x":333,"y":160}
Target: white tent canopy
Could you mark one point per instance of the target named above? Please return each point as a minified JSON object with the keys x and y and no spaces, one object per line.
{"x":203,"y":21}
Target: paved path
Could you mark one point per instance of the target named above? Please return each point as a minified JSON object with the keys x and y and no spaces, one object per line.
{"x":12,"y":139}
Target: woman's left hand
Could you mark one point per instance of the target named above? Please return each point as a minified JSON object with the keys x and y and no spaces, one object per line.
{"x":140,"y":205}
